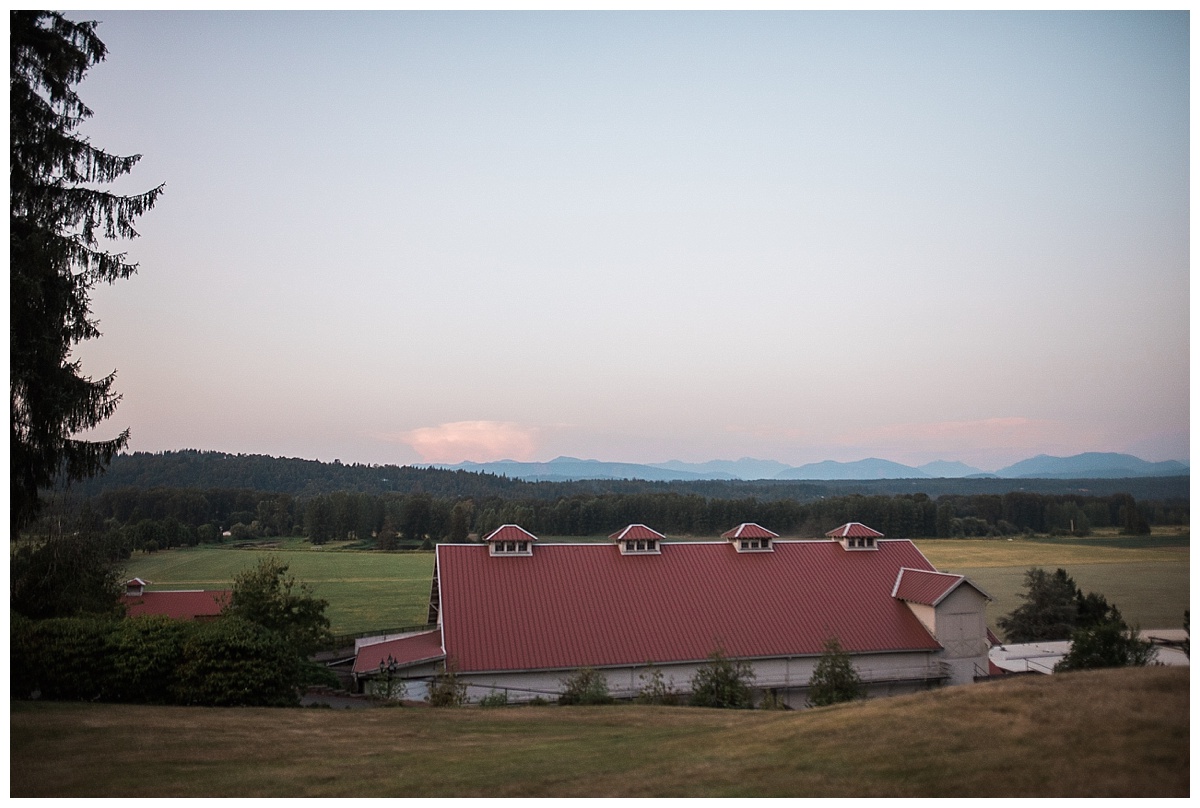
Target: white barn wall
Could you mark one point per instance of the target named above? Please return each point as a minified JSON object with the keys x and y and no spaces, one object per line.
{"x":884,"y":674}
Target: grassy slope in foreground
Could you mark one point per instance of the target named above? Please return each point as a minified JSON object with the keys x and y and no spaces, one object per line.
{"x":1098,"y":733}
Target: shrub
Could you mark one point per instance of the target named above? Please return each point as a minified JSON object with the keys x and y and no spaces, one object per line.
{"x":585,"y":686}
{"x":233,"y":662}
{"x":146,"y":651}
{"x":655,"y":690}
{"x":63,"y":658}
{"x":834,"y":679}
{"x":723,"y":682}
{"x":445,"y":690}
{"x":497,"y":698}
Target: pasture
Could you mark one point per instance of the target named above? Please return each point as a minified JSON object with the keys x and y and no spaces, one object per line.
{"x":366,"y":590}
{"x":1147,"y":578}
{"x":1113,"y":733}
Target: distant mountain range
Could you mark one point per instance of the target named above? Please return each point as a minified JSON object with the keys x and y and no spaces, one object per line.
{"x":1090,"y":465}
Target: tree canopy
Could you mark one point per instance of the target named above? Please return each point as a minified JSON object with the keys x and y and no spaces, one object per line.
{"x":267,"y":596}
{"x":57,"y":217}
{"x":1049,"y":611}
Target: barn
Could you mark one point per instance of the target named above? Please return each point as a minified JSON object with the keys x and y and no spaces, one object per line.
{"x":518,"y":616}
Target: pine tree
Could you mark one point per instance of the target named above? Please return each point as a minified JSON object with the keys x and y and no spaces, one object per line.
{"x":57,"y":215}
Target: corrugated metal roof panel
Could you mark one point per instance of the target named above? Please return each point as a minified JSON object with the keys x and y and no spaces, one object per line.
{"x":923,"y":586}
{"x":570,"y":606}
{"x":749,"y":530}
{"x":405,"y":651}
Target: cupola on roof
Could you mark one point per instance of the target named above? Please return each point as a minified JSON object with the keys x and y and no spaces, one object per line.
{"x":510,"y":533}
{"x":508,"y":540}
{"x":854,"y":530}
{"x":638,"y":540}
{"x":636,"y":532}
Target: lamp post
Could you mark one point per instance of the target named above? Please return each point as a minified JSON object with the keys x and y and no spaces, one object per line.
{"x":387,"y":671}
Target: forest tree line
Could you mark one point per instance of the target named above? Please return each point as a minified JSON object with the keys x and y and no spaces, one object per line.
{"x":151,"y":519}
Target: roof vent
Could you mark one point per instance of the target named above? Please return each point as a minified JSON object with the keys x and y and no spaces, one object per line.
{"x":134,"y":588}
{"x":638,"y":540}
{"x":750,"y":538}
{"x":510,"y":540}
{"x":856,"y":536}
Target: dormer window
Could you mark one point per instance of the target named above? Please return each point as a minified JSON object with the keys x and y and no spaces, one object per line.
{"x":751,"y":538}
{"x":510,"y":540}
{"x":638,"y":540}
{"x":856,"y":536}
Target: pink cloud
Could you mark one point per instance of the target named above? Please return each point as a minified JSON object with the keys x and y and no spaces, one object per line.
{"x":478,"y":441}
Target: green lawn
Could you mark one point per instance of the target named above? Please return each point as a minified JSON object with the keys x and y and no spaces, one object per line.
{"x":366,"y":590}
{"x":1149,"y":580}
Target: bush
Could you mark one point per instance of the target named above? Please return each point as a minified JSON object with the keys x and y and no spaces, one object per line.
{"x":233,"y":662}
{"x":834,"y":679}
{"x":655,"y":690}
{"x":585,"y":686}
{"x":1107,"y":645}
{"x":145,"y":651}
{"x":722,"y":682}
{"x":445,"y":690}
{"x":63,"y":658}
{"x":497,"y":698}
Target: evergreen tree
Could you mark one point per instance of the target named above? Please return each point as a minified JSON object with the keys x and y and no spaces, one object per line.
{"x":57,"y":214}
{"x":1050,"y":610}
{"x":834,"y":678}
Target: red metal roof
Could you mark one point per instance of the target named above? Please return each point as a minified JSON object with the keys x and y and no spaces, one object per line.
{"x":179,"y":604}
{"x":405,"y":651}
{"x":854,"y":530}
{"x":922,"y":586}
{"x":930,"y":588}
{"x":749,"y":530}
{"x":510,"y":533}
{"x":636,"y":532}
{"x":573,"y":605}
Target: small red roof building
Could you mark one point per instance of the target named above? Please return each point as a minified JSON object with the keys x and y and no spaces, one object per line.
{"x":180,"y":604}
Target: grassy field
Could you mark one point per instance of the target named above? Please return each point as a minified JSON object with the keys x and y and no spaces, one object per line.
{"x":365,"y":590}
{"x":1098,"y":733}
{"x":1148,"y":579}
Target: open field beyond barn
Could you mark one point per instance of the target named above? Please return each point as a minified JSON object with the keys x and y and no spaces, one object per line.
{"x":1147,"y":578}
{"x":1097,"y":733}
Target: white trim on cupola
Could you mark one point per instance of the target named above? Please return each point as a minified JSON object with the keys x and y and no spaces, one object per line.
{"x":510,"y":540}
{"x":749,"y":537}
{"x":638,"y":540}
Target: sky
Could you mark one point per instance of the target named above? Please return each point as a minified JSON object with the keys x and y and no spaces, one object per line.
{"x":421,"y":237}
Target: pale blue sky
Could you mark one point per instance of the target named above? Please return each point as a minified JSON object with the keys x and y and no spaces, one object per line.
{"x":399,"y":236}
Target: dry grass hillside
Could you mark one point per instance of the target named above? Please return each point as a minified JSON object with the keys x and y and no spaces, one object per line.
{"x":1100,"y":733}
